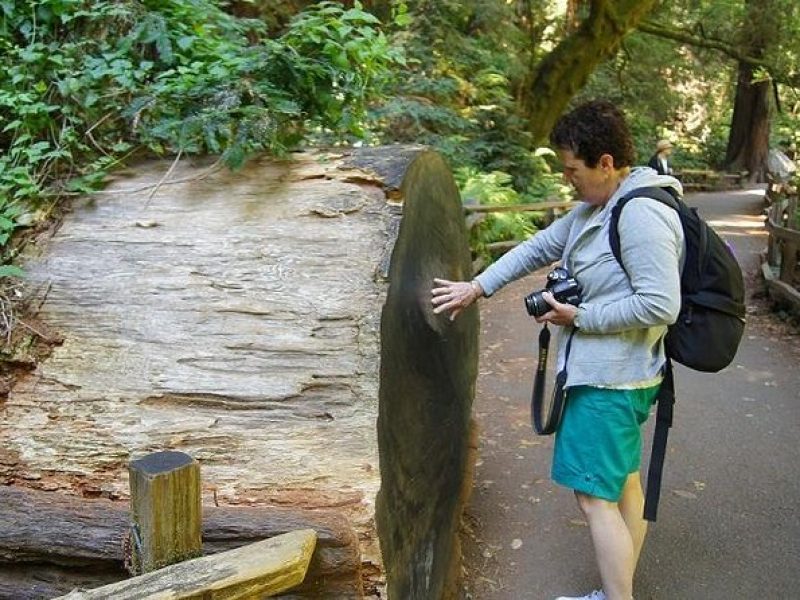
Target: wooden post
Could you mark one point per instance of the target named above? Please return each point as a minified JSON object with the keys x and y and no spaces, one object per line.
{"x":791,"y":212}
{"x":788,"y":261}
{"x":773,"y":241}
{"x":772,"y":249}
{"x":166,"y":511}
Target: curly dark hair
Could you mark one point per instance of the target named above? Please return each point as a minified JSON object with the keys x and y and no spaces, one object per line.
{"x":593,"y":129}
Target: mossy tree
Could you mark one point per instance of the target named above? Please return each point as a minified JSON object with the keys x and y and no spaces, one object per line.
{"x":565,"y":70}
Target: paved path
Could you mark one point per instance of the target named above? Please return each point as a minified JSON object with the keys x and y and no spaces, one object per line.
{"x":729,"y":526}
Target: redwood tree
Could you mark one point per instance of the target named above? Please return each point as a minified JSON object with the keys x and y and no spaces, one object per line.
{"x":763,"y":48}
{"x":748,"y":141}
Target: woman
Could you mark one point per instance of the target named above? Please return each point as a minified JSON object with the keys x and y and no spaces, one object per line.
{"x":617,"y":354}
{"x":660,"y":160}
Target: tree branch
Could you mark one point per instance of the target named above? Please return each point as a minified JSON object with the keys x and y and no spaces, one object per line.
{"x":729,"y":49}
{"x":567,"y":68}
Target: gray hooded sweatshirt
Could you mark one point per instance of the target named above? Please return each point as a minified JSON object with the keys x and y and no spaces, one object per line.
{"x":622,"y":319}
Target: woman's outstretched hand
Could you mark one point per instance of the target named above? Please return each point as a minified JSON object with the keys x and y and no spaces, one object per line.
{"x":454,"y":296}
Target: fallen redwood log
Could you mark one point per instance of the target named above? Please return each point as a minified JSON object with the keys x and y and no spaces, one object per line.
{"x":235,"y":317}
{"x":51,"y":543}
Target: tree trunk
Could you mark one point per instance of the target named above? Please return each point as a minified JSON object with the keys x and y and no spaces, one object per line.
{"x":572,"y":20}
{"x":275,"y":13}
{"x":567,"y":68}
{"x":748,"y":141}
{"x":380,"y":8}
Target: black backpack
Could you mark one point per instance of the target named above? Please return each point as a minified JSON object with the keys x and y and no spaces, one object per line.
{"x":710,"y":324}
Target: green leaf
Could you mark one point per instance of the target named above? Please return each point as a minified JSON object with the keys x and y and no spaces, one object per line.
{"x":185,"y":42}
{"x":340,"y":60}
{"x":11,"y":270}
{"x":12,"y":125}
{"x":234,"y":156}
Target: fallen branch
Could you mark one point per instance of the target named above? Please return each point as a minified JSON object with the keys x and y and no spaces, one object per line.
{"x":258,"y":570}
{"x":166,"y":175}
{"x":199,"y":177}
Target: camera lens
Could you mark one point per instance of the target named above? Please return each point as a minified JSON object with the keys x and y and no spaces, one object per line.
{"x":536,"y":305}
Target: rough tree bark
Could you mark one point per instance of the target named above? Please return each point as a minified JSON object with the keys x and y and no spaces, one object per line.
{"x":748,"y":140}
{"x":567,"y":68}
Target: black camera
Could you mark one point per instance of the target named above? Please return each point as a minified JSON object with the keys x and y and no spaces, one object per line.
{"x":563,"y":287}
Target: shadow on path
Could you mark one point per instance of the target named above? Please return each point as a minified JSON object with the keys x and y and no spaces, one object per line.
{"x":728,"y":520}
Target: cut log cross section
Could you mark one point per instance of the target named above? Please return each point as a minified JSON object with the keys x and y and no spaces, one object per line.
{"x":428,"y":371}
{"x":244,"y":330}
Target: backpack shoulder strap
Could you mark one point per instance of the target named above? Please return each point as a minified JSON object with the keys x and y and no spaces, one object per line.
{"x":664,"y":413}
{"x":662,"y":195}
{"x":666,"y":393}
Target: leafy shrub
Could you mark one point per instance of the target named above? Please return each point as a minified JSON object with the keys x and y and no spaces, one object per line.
{"x":87,"y":83}
{"x":495,"y":188}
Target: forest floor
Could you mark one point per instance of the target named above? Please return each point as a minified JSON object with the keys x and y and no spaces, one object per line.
{"x":730,"y":487}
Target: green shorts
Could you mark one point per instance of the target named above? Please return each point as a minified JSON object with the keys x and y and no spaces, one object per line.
{"x":599,"y":440}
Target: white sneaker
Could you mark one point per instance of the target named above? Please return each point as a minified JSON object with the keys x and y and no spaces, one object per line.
{"x":595,"y":595}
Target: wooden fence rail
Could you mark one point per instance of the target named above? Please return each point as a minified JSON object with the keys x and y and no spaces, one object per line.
{"x":704,"y":180}
{"x":692,"y":179}
{"x":780,"y":265}
{"x":550,"y":205}
{"x":476,"y":213}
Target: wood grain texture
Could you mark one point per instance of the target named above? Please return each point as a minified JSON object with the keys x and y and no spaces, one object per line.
{"x":234,"y":317}
{"x":242,"y":318}
{"x":166,"y":509}
{"x":242,"y":329}
{"x":259,"y":570}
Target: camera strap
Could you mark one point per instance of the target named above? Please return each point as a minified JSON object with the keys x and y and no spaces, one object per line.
{"x":540,"y":425}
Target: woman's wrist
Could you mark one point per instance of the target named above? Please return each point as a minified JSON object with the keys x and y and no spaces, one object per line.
{"x":580,"y":311}
{"x":476,"y":288}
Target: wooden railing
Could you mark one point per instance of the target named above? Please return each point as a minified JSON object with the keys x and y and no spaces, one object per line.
{"x":780,"y":266}
{"x":692,"y":180}
{"x":699,"y":180}
{"x":475,"y":213}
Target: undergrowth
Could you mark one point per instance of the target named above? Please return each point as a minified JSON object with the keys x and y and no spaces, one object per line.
{"x":87,"y":83}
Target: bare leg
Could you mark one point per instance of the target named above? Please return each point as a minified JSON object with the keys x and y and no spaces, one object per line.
{"x":631,"y":505}
{"x":613,"y":546}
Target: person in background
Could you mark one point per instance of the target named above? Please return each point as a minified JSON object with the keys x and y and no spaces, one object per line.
{"x":616,"y":357}
{"x":660,"y":160}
